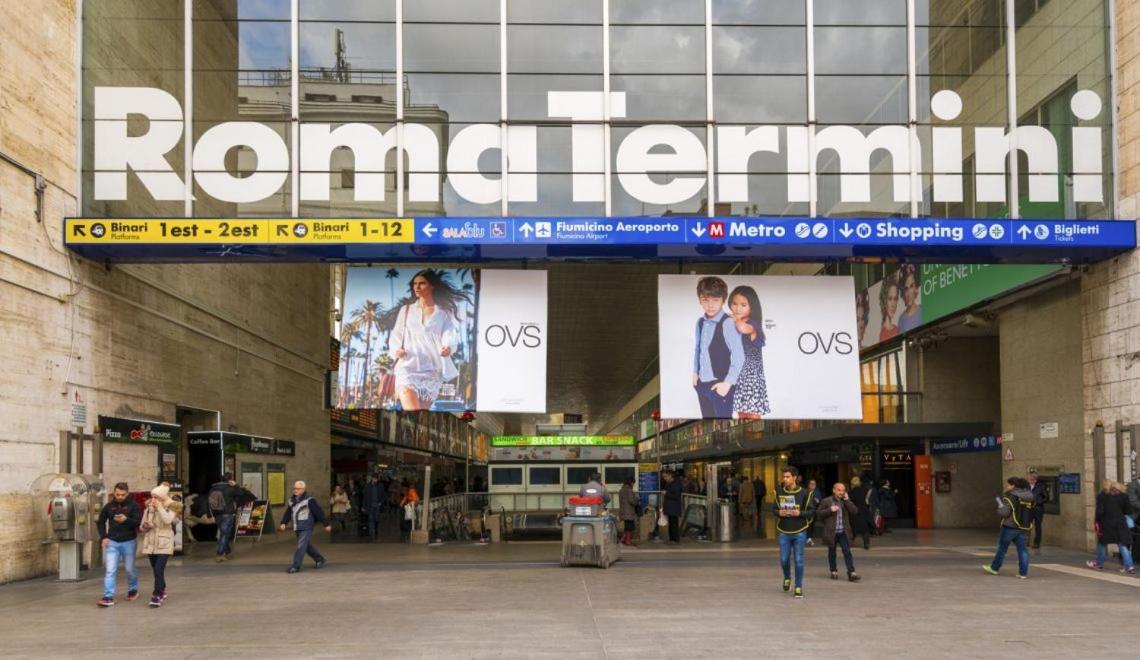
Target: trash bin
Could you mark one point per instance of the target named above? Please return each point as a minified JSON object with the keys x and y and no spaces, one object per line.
{"x":726,"y":522}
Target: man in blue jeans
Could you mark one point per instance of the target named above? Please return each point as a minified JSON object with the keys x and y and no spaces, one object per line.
{"x":1016,"y":508}
{"x":118,"y":525}
{"x":301,"y":511}
{"x":794,"y":515}
{"x":223,"y":505}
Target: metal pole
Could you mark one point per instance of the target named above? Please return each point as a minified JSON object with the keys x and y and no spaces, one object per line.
{"x":1120,"y":463}
{"x":1098,"y":456}
{"x":65,"y":452}
{"x":711,"y":511}
{"x":79,"y":450}
{"x":427,"y":498}
{"x":97,"y":454}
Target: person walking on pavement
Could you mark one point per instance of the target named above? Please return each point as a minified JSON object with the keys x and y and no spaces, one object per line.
{"x":1112,"y":526}
{"x":1133,"y":492}
{"x":814,"y":497}
{"x":118,"y":525}
{"x":673,"y":506}
{"x":836,"y":513}
{"x":374,"y":496}
{"x":761,"y":489}
{"x":888,"y":505}
{"x":861,"y":525}
{"x":408,"y":511}
{"x":791,"y":507}
{"x":302,"y":510}
{"x":746,"y":504}
{"x":339,"y":506}
{"x":628,"y":505}
{"x":1015,"y":506}
{"x":223,"y":505}
{"x":1037,"y":487}
{"x":158,"y":538}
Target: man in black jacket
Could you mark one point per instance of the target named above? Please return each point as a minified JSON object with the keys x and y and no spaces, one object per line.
{"x":1040,"y":494}
{"x":224,"y":498}
{"x":118,"y":526}
{"x":793,"y":509}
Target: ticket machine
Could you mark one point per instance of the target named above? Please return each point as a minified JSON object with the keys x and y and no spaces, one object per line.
{"x":72,"y":503}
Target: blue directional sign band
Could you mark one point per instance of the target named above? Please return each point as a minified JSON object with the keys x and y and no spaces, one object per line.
{"x":938,"y":240}
{"x":899,"y":232}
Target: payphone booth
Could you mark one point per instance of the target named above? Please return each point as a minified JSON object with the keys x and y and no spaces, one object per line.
{"x":72,"y":503}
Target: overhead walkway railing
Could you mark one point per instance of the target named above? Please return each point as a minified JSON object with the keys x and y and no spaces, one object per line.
{"x":427,"y":239}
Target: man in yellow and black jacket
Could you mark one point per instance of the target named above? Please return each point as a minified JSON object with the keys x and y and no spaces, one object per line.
{"x":793,"y":512}
{"x":1016,"y":508}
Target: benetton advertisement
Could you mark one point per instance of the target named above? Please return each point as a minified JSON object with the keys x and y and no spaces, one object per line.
{"x":410,"y":340}
{"x":918,"y":294}
{"x":752,"y":347}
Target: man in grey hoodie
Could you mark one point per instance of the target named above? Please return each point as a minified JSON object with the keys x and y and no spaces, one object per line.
{"x":1016,"y":508}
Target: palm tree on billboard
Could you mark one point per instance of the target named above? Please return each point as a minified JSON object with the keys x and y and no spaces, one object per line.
{"x":391,"y":276}
{"x":366,"y":316}
{"x":349,"y":331}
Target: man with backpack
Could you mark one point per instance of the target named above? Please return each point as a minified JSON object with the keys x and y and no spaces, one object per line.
{"x":1016,"y":507}
{"x":223,"y":500}
{"x":301,"y":511}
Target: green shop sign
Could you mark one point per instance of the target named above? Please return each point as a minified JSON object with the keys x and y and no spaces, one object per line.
{"x":947,"y":288}
{"x":561,"y":440}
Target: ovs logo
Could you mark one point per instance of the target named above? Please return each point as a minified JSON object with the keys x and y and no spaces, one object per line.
{"x":528,"y":335}
{"x":814,"y":342}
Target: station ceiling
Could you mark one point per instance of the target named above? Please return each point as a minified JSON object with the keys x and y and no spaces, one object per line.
{"x":603,"y":334}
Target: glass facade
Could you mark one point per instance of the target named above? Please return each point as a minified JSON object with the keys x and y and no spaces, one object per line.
{"x":766,"y":107}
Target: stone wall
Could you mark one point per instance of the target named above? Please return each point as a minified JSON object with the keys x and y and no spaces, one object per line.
{"x":250,"y":341}
{"x":1040,"y":362}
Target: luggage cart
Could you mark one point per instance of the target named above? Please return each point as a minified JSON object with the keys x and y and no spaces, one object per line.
{"x":589,"y":539}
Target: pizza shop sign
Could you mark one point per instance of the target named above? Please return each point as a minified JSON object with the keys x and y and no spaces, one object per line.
{"x":642,"y":158}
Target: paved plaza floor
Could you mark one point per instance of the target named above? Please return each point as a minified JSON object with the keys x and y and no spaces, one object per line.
{"x":924,"y":595}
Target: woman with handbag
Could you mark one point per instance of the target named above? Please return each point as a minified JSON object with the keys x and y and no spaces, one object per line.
{"x":1111,"y":525}
{"x":158,"y":537}
{"x":339,"y":506}
{"x":426,"y":335}
{"x":408,"y":515}
{"x":628,"y":509}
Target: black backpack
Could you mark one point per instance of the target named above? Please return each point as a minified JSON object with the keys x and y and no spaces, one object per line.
{"x":1021,"y":511}
{"x":217,"y":498}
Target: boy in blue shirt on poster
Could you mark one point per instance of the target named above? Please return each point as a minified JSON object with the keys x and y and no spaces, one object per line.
{"x":719,"y":352}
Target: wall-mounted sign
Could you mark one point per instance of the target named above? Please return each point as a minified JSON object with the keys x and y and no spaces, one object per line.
{"x":961,"y":445}
{"x":575,"y":453}
{"x":248,"y":444}
{"x":1069,"y":483}
{"x":119,"y":429}
{"x":509,"y":237}
{"x":204,"y":439}
{"x":564,"y":440}
{"x":1048,"y":430}
{"x":897,"y":458}
{"x":284,"y":447}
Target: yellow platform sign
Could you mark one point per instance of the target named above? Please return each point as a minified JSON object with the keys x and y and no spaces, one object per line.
{"x":343,"y":230}
{"x":235,"y":230}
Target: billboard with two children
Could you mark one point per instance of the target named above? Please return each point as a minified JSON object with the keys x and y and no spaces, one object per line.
{"x":752,"y":347}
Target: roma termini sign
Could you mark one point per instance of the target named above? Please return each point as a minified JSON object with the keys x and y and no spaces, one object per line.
{"x":643,"y":154}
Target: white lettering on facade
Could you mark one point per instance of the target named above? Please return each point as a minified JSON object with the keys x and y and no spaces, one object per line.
{"x":655,"y":164}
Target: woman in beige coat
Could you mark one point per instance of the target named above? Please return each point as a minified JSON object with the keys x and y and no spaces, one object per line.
{"x":158,"y":537}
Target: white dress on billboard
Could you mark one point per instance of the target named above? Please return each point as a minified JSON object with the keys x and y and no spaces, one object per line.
{"x":423,"y":368}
